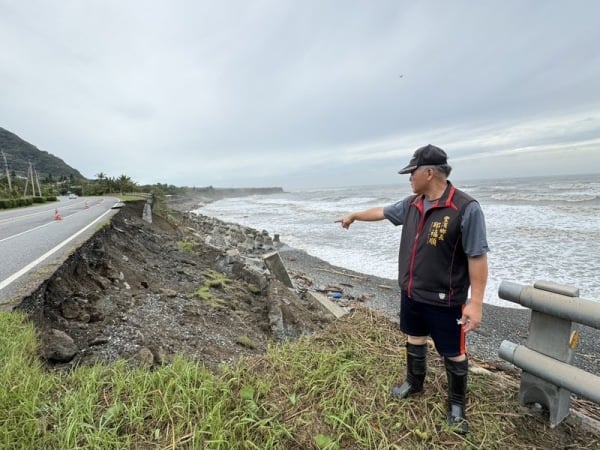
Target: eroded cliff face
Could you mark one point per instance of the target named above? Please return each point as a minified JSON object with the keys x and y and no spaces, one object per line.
{"x":192,"y":286}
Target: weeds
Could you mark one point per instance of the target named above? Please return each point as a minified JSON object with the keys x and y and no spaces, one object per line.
{"x":329,"y":391}
{"x":187,"y":246}
{"x":214,"y":281}
{"x":245,"y":341}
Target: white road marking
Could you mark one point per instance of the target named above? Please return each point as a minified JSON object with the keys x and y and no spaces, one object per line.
{"x":32,"y":264}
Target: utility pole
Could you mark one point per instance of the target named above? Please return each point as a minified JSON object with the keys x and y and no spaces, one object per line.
{"x":37,"y":180}
{"x":29,"y":175}
{"x":32,"y":178}
{"x":7,"y":172}
{"x":26,"y":184}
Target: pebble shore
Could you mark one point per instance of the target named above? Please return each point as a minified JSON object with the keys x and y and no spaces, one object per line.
{"x":383,"y":295}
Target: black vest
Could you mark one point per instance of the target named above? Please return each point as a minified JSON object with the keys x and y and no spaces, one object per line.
{"x":432,"y":265}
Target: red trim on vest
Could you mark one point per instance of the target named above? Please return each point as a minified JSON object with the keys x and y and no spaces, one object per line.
{"x":462,"y":344}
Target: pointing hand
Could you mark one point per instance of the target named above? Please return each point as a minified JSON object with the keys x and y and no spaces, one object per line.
{"x":345,"y":221}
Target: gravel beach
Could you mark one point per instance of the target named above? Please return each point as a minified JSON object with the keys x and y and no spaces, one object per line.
{"x":382,"y":295}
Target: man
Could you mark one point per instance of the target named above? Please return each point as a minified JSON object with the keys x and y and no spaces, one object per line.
{"x":443,"y":253}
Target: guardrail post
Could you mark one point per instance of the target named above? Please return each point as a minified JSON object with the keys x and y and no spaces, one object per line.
{"x":550,"y":336}
{"x":553,"y":334}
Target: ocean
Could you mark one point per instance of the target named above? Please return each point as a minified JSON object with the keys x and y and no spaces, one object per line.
{"x":543,"y":228}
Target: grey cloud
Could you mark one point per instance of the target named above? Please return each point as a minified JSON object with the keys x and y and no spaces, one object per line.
{"x":277,"y":90}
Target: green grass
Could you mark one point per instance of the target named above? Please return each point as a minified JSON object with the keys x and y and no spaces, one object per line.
{"x":329,"y":391}
{"x":188,"y":246}
{"x":129,"y":197}
{"x":214,"y":281}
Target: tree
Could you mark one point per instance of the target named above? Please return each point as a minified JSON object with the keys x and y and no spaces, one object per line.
{"x":125,"y":184}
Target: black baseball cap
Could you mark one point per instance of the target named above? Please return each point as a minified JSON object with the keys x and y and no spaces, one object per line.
{"x":430,"y":155}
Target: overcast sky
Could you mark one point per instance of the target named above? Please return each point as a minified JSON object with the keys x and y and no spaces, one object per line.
{"x":303,"y":93}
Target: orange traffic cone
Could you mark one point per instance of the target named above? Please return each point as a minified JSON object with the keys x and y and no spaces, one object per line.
{"x":57,"y":215}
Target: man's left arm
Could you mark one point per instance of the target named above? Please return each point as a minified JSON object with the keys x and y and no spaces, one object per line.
{"x":473,"y":310}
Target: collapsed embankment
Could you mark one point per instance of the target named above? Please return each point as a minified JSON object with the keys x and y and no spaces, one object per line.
{"x":146,"y":292}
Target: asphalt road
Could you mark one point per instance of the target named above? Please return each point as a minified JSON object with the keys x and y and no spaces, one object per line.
{"x":39,"y":237}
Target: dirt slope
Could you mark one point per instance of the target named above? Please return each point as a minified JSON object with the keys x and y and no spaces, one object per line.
{"x":146,"y":292}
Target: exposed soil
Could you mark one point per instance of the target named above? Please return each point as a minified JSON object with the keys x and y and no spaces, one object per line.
{"x":147,"y":292}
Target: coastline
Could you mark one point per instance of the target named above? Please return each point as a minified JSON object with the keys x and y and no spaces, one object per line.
{"x":382,"y":295}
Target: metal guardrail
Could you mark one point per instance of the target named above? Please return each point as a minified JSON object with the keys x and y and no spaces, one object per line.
{"x":548,"y":378}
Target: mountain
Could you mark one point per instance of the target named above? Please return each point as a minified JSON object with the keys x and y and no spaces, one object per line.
{"x":20,"y":153}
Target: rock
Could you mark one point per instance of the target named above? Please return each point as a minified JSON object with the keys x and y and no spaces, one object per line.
{"x":59,"y":346}
{"x":168,"y":292}
{"x":99,"y":340}
{"x":144,"y":357}
{"x":70,"y":309}
{"x":160,"y":356}
{"x":99,"y":309}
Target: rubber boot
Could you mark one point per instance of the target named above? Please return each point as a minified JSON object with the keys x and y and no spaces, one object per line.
{"x":457,"y":393}
{"x":416,"y":368}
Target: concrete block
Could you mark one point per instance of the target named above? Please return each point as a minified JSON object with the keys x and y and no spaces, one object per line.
{"x":276,"y":267}
{"x":328,"y":305}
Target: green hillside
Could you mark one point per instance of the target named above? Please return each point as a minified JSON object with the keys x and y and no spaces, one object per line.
{"x":20,"y":153}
